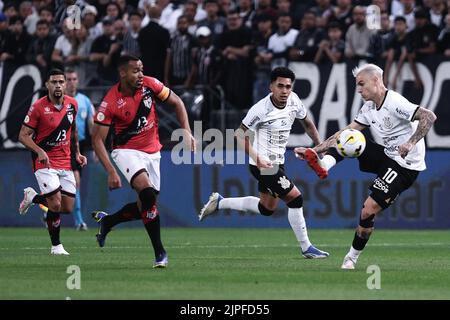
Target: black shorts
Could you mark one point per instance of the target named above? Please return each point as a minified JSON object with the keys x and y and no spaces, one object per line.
{"x":277,"y":184}
{"x":392,"y":179}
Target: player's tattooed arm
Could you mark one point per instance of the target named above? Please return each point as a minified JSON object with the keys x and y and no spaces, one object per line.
{"x":426,"y":119}
{"x":26,"y":138}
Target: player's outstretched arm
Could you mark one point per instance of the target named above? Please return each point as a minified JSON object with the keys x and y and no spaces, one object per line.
{"x":98,"y":143}
{"x":311,"y":130}
{"x":180,"y":111}
{"x":426,"y":119}
{"x":26,"y":138}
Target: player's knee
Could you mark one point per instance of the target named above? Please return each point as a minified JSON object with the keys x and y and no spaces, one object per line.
{"x":54,"y":205}
{"x":264,"y":211}
{"x":296,"y":203}
{"x":148,"y":198}
{"x":367,"y":221}
{"x":364,"y":233}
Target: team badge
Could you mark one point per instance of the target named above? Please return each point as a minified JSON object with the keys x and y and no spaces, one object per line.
{"x":70,"y":117}
{"x":284,"y":182}
{"x":100,"y":116}
{"x":27,"y":119}
{"x":387,"y":123}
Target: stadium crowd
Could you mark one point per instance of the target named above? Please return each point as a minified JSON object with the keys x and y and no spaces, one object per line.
{"x":215,"y":42}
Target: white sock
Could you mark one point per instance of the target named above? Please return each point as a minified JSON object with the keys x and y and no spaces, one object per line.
{"x":298,"y":225}
{"x":240,"y":204}
{"x":354,"y":254}
{"x":328,"y":161}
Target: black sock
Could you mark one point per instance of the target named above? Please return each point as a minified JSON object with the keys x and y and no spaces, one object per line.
{"x":358,"y":242}
{"x":40,"y":199}
{"x":154,"y":231}
{"x":128,"y":212}
{"x":53,"y":226}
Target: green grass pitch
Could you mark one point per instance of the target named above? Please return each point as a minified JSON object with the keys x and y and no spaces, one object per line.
{"x":223,"y":264}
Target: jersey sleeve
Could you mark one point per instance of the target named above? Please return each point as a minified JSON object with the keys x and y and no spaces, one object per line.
{"x":362,"y":116}
{"x":404,"y":109}
{"x":160,"y":90}
{"x":301,"y":112}
{"x":104,"y":114}
{"x":32,"y":118}
{"x":254,"y":117}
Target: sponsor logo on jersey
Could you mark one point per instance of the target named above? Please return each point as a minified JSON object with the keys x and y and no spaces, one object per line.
{"x":103,"y":106}
{"x":120,"y":103}
{"x":402,"y":113}
{"x":253,"y":121}
{"x":381,"y":185}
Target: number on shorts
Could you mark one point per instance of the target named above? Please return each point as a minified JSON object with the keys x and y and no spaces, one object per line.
{"x":390,"y":175}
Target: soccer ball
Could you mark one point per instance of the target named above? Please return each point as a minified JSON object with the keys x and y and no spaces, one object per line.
{"x":351,"y":143}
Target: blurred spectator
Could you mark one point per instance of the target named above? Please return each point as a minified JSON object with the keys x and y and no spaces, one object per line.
{"x":88,"y":19}
{"x":342,"y":13}
{"x":422,"y":41}
{"x":444,"y":38}
{"x":10,"y":10}
{"x":21,"y":40}
{"x":29,"y":16}
{"x":179,"y":56}
{"x":125,"y":8}
{"x":358,"y":36}
{"x":331,"y":49}
{"x":213,"y":21}
{"x":225,"y":6}
{"x":207,"y":71}
{"x":264,"y":7}
{"x":263,"y":57}
{"x":130,"y":40}
{"x":46,"y":13}
{"x":201,"y":13}
{"x":407,"y":11}
{"x":39,"y":4}
{"x":396,"y":52}
{"x":154,"y":40}
{"x":7,"y":43}
{"x":379,"y":41}
{"x":171,"y":10}
{"x":79,"y":57}
{"x":63,"y":46}
{"x":41,"y":47}
{"x":105,"y":52}
{"x":113,"y":11}
{"x":246,"y":12}
{"x":190,"y":11}
{"x":280,"y":41}
{"x":323,"y":10}
{"x":235,"y":44}
{"x":437,"y":13}
{"x":307,"y":42}
{"x":383,"y":5}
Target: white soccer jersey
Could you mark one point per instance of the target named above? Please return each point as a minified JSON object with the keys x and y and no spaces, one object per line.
{"x":272,"y":126}
{"x":391,"y":126}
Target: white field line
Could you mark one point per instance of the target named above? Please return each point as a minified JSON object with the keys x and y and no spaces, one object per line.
{"x":256,"y":246}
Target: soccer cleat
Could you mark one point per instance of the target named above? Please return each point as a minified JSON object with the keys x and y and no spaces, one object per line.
{"x":348,"y":263}
{"x":211,"y":206}
{"x":82,"y":227}
{"x":314,"y":253}
{"x":313,"y":160}
{"x":27,"y":202}
{"x":102,"y":229}
{"x":59,"y":250}
{"x":161,"y":261}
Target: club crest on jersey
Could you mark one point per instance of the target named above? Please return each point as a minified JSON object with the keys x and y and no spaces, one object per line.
{"x":147,"y":101}
{"x":70,"y":117}
{"x":284,"y":182}
{"x":387,"y":123}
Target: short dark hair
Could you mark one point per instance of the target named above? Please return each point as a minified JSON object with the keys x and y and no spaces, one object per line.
{"x":55,"y":72}
{"x":69,"y":70}
{"x":125,"y":59}
{"x":42,"y":21}
{"x":400,"y":18}
{"x":282,"y":72}
{"x":334,"y":25}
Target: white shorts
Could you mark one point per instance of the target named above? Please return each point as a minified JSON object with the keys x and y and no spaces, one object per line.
{"x":132,"y":162}
{"x":52,"y":180}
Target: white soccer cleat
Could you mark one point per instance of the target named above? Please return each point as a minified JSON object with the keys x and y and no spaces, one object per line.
{"x":27,"y":202}
{"x":211,"y":206}
{"x":348,"y":263}
{"x":59,"y":250}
